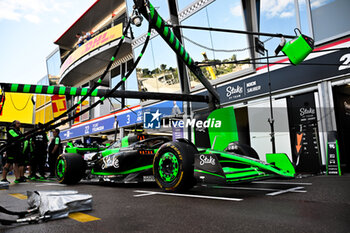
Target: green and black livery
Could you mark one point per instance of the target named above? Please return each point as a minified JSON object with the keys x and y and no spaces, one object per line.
{"x":176,"y":165}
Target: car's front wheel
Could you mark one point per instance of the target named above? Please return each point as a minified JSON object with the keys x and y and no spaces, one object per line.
{"x":70,"y":168}
{"x":173,"y":166}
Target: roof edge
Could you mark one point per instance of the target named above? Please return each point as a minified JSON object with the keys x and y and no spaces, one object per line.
{"x":77,"y":20}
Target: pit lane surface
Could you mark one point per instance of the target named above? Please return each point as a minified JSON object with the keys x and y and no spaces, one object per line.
{"x":313,"y":204}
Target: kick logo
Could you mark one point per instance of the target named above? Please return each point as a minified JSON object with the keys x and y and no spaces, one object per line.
{"x":151,"y":120}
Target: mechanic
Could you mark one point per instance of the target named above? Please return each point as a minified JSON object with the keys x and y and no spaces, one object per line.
{"x":38,"y":157}
{"x":14,"y":152}
{"x":27,"y":150}
{"x":55,"y":149}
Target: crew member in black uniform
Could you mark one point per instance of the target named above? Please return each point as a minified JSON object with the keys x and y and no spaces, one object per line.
{"x":38,"y":156}
{"x":27,"y":151}
{"x":14,"y":152}
{"x":55,"y":149}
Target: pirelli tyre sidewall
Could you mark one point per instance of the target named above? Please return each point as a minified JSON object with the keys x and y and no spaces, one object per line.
{"x":70,"y":168}
{"x":173,"y":166}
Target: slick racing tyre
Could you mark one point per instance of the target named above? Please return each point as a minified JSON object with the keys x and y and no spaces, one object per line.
{"x":70,"y":168}
{"x":173,"y":166}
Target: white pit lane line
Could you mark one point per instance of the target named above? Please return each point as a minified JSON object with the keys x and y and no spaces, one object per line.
{"x":49,"y":184}
{"x":278,"y":182}
{"x":286,"y":191}
{"x":149,"y":193}
{"x":259,"y":189}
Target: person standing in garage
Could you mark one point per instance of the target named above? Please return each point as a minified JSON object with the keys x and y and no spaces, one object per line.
{"x":55,"y":149}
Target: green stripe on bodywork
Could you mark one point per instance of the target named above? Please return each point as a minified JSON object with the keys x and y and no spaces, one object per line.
{"x":109,"y":152}
{"x":249,"y":178}
{"x":125,"y":141}
{"x":242,"y":174}
{"x":50,"y":89}
{"x":26,"y":88}
{"x":281,"y":161}
{"x":190,"y":61}
{"x":209,"y":173}
{"x":62,"y":91}
{"x":251,"y":162}
{"x":124,"y":172}
{"x":38,"y":89}
{"x":231,"y":161}
{"x":73,"y":91}
{"x":14,"y":87}
{"x":231,"y":169}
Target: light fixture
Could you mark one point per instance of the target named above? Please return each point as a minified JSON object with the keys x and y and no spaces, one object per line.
{"x":136,"y":19}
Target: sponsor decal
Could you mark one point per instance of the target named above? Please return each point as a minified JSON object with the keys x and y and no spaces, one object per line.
{"x":234,"y":90}
{"x":206,"y":159}
{"x":252,"y":87}
{"x":151,"y":120}
{"x":94,"y":43}
{"x":210,"y":123}
{"x":89,"y":156}
{"x":97,"y":127}
{"x":110,"y":161}
{"x":59,"y":104}
{"x":148,"y":179}
{"x":307,"y":111}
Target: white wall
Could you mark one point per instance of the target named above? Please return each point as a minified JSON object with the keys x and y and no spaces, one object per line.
{"x":258,"y":114}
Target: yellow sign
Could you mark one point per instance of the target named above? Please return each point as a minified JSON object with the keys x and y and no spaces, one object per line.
{"x":59,"y":104}
{"x":17,"y":106}
{"x":94,"y":43}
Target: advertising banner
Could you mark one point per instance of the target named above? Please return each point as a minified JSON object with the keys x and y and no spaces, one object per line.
{"x":59,"y":104}
{"x":125,"y":118}
{"x":283,"y":78}
{"x":304,"y":133}
{"x":94,"y":43}
{"x":17,"y":106}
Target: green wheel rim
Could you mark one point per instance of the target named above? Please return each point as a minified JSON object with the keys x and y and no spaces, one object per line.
{"x":168,"y":167}
{"x":60,"y":168}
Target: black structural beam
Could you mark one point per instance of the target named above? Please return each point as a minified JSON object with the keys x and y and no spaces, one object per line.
{"x":160,"y":25}
{"x":75,"y":91}
{"x":233,"y":31}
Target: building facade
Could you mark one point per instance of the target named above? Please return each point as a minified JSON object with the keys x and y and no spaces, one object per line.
{"x":309,"y":101}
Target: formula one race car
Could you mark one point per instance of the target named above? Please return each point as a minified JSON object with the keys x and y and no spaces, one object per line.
{"x":176,"y":165}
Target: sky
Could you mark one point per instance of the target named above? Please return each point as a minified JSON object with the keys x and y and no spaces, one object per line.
{"x":277,"y":16}
{"x":28,"y":29}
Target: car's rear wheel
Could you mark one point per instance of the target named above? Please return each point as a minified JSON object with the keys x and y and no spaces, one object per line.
{"x":173,"y":166}
{"x":70,"y":168}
